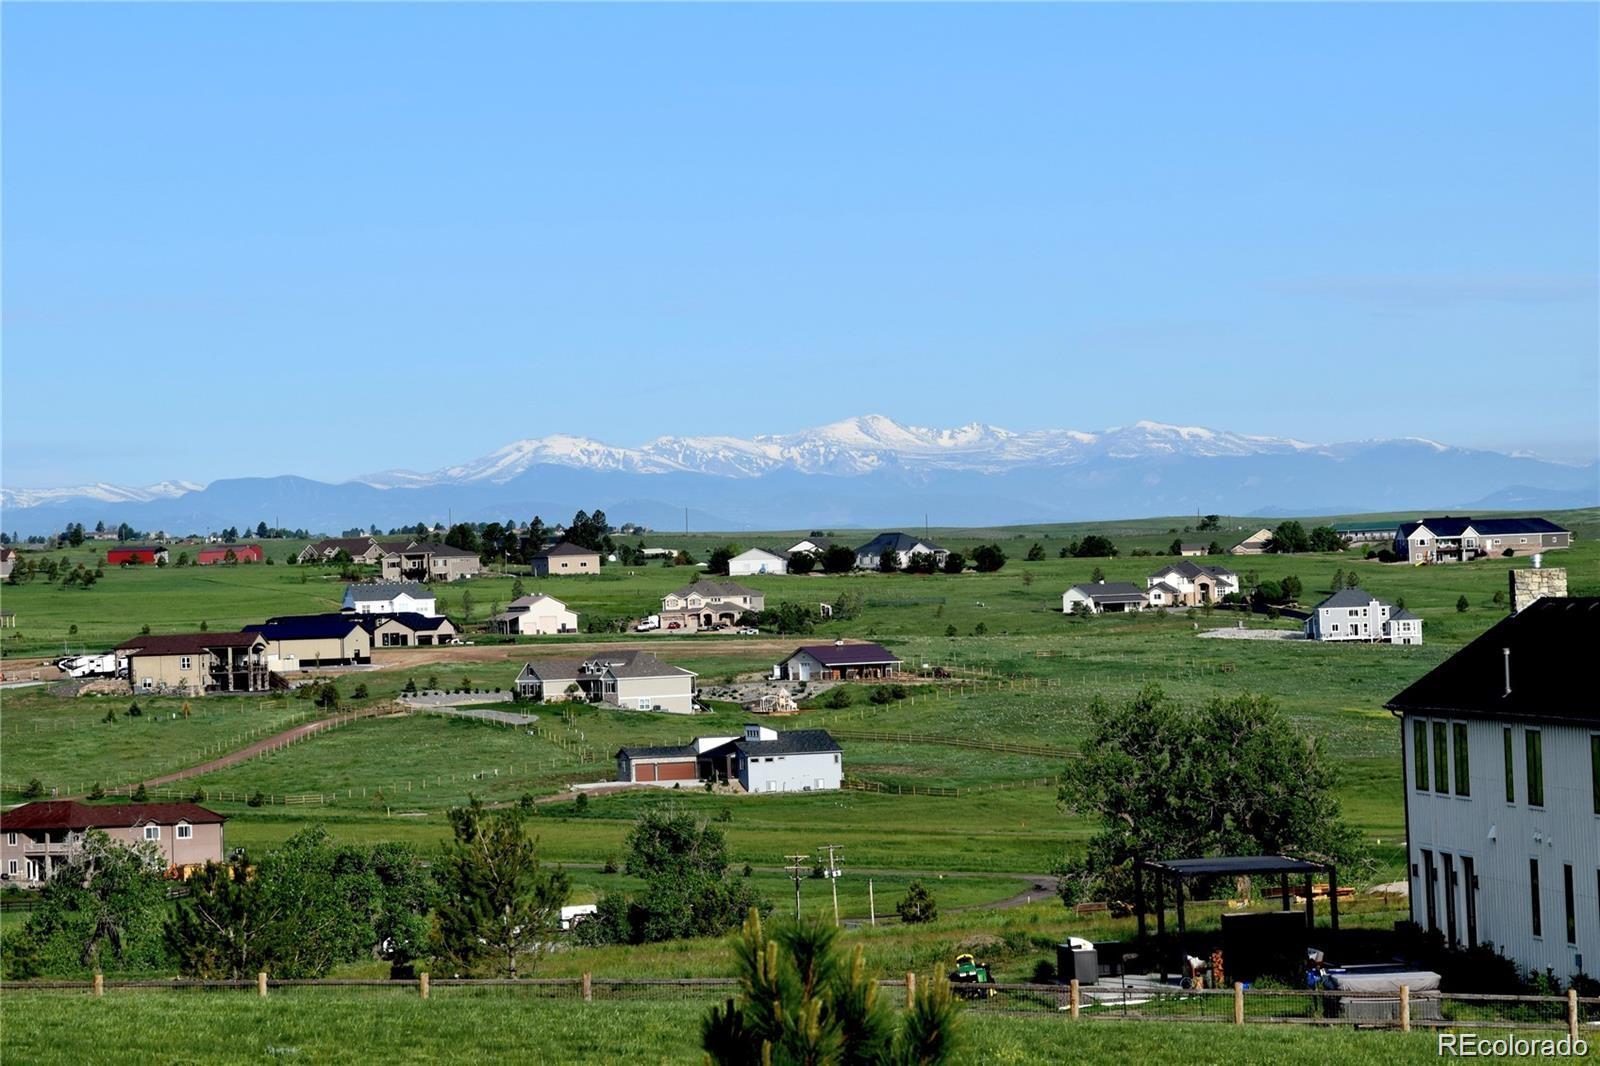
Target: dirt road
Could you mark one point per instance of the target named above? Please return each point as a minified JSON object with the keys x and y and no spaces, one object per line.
{"x":389,"y":658}
{"x":277,"y":740}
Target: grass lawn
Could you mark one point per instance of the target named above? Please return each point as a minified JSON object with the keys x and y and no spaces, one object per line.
{"x":462,"y":1026}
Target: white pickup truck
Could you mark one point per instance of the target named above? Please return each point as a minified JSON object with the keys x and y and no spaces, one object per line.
{"x":648,"y":623}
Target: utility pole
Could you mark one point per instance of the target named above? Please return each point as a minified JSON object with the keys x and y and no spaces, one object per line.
{"x":797,"y":871}
{"x":833,"y":874}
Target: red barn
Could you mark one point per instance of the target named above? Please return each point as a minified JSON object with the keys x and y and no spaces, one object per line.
{"x":149,"y":556}
{"x":242,"y":553}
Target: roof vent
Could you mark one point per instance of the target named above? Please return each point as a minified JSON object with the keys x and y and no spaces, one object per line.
{"x":1507,"y":653}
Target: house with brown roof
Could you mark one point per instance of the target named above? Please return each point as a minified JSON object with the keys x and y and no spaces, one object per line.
{"x":196,"y":664}
{"x":565,"y":560}
{"x":426,"y":561}
{"x":709,"y":604}
{"x":360,"y":549}
{"x":37,"y":839}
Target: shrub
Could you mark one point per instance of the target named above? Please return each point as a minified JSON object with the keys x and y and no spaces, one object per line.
{"x":918,"y":905}
{"x":34,"y":789}
{"x":98,"y":792}
{"x":134,"y":711}
{"x":256,"y":799}
{"x":837,"y":698}
{"x":950,"y":631}
{"x":141,"y":794}
{"x":1462,"y":605}
{"x":359,"y":692}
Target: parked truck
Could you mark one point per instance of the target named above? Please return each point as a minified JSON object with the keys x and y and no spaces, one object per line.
{"x":648,"y":623}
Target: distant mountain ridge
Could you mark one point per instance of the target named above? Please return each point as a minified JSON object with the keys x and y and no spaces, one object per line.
{"x":865,"y":471}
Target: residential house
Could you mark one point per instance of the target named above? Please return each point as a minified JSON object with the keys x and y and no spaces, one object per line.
{"x":709,"y":604}
{"x":8,"y":562}
{"x":1502,"y":783}
{"x":535,"y":615}
{"x":360,"y":549}
{"x":1366,"y":532}
{"x":811,"y":545}
{"x":758,"y":561}
{"x":37,"y":839}
{"x":242,"y":553}
{"x":1449,"y":539}
{"x":763,"y":760}
{"x":390,"y":597}
{"x":147,"y":555}
{"x":300,"y":641}
{"x":197,"y":663}
{"x":1103,"y":597}
{"x":566,"y":559}
{"x":625,"y":678}
{"x":870,"y":554}
{"x":1355,"y":614}
{"x":1255,"y":544}
{"x":408,"y":629}
{"x":425,"y":561}
{"x":1186,"y":549}
{"x":837,"y":662}
{"x":1186,"y":584}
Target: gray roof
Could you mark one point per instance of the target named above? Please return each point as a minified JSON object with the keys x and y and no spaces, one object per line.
{"x":387,"y":590}
{"x":1403,"y":615}
{"x":660,"y":752}
{"x":625,"y":662}
{"x":894,"y":542}
{"x":1356,"y":597}
{"x":566,"y":547}
{"x":423,"y":547}
{"x":1111,"y":590}
{"x":1163,"y":586}
{"x":791,"y":742}
{"x":715,"y":588}
{"x":1193,"y":570}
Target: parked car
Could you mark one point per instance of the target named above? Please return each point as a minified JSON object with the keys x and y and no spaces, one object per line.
{"x":748,"y":631}
{"x":674,"y":625}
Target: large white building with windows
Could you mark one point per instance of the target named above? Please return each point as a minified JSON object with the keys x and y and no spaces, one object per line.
{"x":1502,"y":771}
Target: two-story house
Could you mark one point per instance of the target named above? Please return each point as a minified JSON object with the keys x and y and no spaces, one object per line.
{"x":37,"y":839}
{"x":763,"y":760}
{"x":870,"y":554}
{"x":628,"y":678}
{"x":194,"y":664}
{"x":1186,"y":584}
{"x":1450,"y":539}
{"x":426,"y":561}
{"x":1501,"y":753}
{"x":709,"y":604}
{"x":1355,"y":614}
{"x":390,"y":597}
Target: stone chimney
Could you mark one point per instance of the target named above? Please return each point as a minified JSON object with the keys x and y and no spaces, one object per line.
{"x":1536,"y":583}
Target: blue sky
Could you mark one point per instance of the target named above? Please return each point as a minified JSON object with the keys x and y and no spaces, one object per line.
{"x":326,"y":239}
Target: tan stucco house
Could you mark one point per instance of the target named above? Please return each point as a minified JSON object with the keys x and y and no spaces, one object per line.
{"x":194,"y":664}
{"x":565,"y":560}
{"x":38,"y":838}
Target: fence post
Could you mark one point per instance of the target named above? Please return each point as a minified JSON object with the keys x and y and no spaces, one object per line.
{"x":261,"y":984}
{"x":1238,"y":1003}
{"x":1405,"y":1008}
{"x":588,"y":987}
{"x":1572,"y":1014}
{"x":99,"y":984}
{"x":422,"y":984}
{"x":911,"y":986}
{"x":1073,"y":1000}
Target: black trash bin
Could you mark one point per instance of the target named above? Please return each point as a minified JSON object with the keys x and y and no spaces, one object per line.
{"x":1077,"y":960}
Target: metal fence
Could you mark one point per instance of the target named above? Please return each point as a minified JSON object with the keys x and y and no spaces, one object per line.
{"x":1070,"y":1002}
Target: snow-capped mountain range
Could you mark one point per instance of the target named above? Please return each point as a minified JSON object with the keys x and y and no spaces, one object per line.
{"x":853,"y":446}
{"x":865,"y":471}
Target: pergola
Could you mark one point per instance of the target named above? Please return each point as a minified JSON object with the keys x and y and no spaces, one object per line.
{"x":1179,"y":871}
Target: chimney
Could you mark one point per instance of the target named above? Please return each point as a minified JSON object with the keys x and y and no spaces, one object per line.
{"x":1507,"y":653}
{"x":1536,"y":583}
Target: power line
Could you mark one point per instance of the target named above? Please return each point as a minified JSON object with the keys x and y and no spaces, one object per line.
{"x":797,"y":870}
{"x":833,"y":874}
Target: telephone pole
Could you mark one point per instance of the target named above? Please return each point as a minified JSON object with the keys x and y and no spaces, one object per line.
{"x":797,"y":870}
{"x":833,"y":874}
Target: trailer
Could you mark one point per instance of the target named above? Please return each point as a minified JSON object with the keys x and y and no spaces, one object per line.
{"x":82,"y":666}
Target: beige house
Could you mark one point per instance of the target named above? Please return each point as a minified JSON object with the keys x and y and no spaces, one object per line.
{"x":197,"y":663}
{"x":566,"y":559}
{"x":8,"y":561}
{"x":295,"y":642}
{"x":426,"y":561}
{"x":360,"y":549}
{"x":626,"y":678}
{"x":409,"y":629}
{"x":1186,"y":584}
{"x":36,"y":839}
{"x":536,"y":615}
{"x":709,"y":605}
{"x":1255,"y":544}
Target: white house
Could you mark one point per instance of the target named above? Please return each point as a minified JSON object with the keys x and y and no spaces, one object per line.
{"x":757,"y":561}
{"x":1102,"y":597}
{"x":798,"y":760}
{"x":535,"y":615}
{"x":386,"y":597}
{"x":811,"y":545}
{"x":1502,"y":789}
{"x":869,"y":554}
{"x":1355,"y":614}
{"x":1187,"y":584}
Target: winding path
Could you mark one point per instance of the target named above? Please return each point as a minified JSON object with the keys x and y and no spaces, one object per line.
{"x":265,"y":744}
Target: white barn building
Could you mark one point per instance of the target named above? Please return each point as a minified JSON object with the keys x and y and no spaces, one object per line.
{"x":535,"y":615}
{"x":757,"y":561}
{"x":1502,"y":788}
{"x":391,"y":597}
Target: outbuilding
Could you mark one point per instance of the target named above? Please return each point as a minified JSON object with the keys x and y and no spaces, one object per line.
{"x":757,"y":561}
{"x":566,"y":560}
{"x":837,"y":662}
{"x":144,"y":555}
{"x":229,"y":553}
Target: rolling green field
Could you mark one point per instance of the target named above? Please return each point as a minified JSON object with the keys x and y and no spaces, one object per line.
{"x":1024,"y":674}
{"x":462,"y":1026}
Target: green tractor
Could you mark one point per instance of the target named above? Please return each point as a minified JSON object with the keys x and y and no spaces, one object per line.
{"x":971,"y":979}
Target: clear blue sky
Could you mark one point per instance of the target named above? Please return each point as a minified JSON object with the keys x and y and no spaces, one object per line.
{"x":315,"y":239}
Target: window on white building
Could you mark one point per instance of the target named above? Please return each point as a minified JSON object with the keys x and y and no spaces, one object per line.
{"x":1533,"y":896}
{"x":1533,"y":742}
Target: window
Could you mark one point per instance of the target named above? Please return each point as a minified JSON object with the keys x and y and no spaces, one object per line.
{"x":184,"y":662}
{"x":1419,"y":754}
{"x":1572,"y":904}
{"x":152,"y":832}
{"x":1469,"y":884}
{"x":1463,"y":760}
{"x":1449,"y":864}
{"x":1429,"y":878}
{"x":1511,"y":777}
{"x":1534,"y":745}
{"x":11,"y":839}
{"x":1594,"y":769}
{"x":1441,"y":757}
{"x":1533,"y":896}
{"x":11,"y":867}
{"x":184,"y":831}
